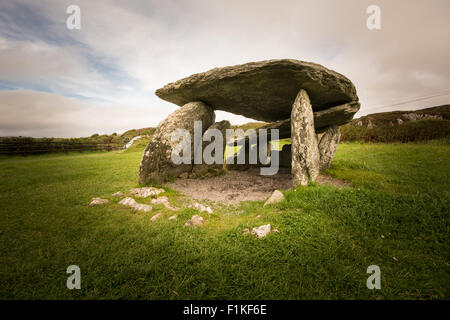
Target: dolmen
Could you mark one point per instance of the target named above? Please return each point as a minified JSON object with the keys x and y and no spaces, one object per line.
{"x":300,"y":99}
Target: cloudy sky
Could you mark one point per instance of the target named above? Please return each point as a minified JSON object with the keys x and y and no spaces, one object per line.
{"x":101,"y":79}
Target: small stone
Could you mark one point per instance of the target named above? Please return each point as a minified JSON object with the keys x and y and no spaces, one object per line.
{"x":275,"y":230}
{"x":172,"y":217}
{"x":261,"y":231}
{"x":118,"y":194}
{"x":245,"y":231}
{"x":200,"y":207}
{"x":276,"y":197}
{"x":196,"y":221}
{"x":395,"y":258}
{"x":155,"y":217}
{"x":382,"y":236}
{"x":97,"y":201}
{"x":399,"y":121}
{"x":258,"y":216}
{"x":165,"y":202}
{"x":146,"y":192}
{"x":130,"y":202}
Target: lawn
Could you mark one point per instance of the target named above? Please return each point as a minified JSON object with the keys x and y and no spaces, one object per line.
{"x":396,"y":216}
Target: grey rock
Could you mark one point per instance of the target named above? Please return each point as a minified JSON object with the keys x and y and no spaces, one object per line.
{"x":200,"y":207}
{"x":276,"y":197}
{"x":305,"y":151}
{"x":156,"y":162}
{"x":146,"y":192}
{"x":164,"y":201}
{"x":97,"y":201}
{"x":173,"y":217}
{"x":399,"y":121}
{"x":262,"y":90}
{"x":195,"y":221}
{"x":130,"y":202}
{"x":155,"y":217}
{"x":118,"y":194}
{"x":328,"y":146}
{"x":262,"y":231}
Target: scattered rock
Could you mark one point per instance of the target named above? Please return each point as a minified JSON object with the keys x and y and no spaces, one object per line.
{"x":275,"y":230}
{"x":157,"y":161}
{"x":399,"y":121}
{"x":305,"y":150}
{"x":359,"y":123}
{"x":370,"y":125}
{"x":97,"y":201}
{"x":258,"y":216}
{"x":200,"y":207}
{"x":164,"y":201}
{"x":262,"y":231}
{"x":276,"y":197}
{"x":146,"y":192}
{"x":155,"y":217}
{"x":262,"y":90}
{"x":172,"y":217}
{"x":195,"y":221}
{"x":245,"y":231}
{"x":130,"y":202}
{"x":118,"y":194}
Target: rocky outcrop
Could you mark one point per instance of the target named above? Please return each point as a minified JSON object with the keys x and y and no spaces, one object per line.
{"x":262,"y":90}
{"x":305,"y":151}
{"x":328,"y":146}
{"x":156,"y":163}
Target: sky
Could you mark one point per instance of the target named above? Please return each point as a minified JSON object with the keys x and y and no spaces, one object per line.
{"x":57,"y":82}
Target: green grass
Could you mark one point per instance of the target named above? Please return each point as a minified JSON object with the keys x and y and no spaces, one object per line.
{"x":395,"y":216}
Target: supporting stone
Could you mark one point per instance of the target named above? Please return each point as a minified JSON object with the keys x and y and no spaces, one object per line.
{"x":156,"y":163}
{"x":305,"y":151}
{"x":222,"y":126}
{"x":328,"y":146}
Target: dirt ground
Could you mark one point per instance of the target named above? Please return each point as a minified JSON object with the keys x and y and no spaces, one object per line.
{"x":237,"y":186}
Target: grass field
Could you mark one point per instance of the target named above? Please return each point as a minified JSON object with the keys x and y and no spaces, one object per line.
{"x":396,"y":216}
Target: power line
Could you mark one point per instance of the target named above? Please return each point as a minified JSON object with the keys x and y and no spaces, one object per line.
{"x":409,"y":101}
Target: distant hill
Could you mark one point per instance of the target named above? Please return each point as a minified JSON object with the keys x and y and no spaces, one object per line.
{"x":400,"y":126}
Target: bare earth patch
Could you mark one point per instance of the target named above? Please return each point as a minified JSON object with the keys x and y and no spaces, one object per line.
{"x":237,"y":186}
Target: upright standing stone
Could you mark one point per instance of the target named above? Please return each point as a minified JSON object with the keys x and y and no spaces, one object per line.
{"x":328,"y":146}
{"x":305,"y":151}
{"x":157,"y":162}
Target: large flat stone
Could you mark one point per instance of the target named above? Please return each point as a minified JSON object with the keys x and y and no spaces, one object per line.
{"x":262,"y":90}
